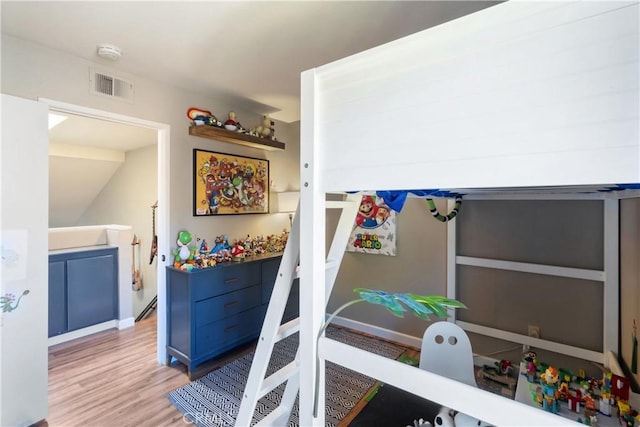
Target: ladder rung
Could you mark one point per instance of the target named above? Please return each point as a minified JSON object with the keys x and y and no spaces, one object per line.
{"x":329,"y":264}
{"x":278,"y":377}
{"x":339,"y":204}
{"x":275,"y":417}
{"x":287,"y":329}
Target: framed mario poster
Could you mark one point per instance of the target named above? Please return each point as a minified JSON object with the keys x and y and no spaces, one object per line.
{"x":374,"y":231}
{"x":225,"y":184}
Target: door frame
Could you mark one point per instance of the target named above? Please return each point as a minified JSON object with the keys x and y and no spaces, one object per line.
{"x":163,"y":190}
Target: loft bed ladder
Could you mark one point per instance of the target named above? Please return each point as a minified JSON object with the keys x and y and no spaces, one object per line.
{"x":272,"y":331}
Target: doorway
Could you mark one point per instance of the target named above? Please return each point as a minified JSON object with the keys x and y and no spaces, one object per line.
{"x":162,"y":211}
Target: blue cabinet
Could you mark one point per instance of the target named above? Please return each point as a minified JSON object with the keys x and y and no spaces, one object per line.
{"x":83,"y":288}
{"x":269,"y":274}
{"x":214,"y":310}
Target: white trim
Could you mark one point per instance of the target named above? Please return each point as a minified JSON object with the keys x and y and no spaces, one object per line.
{"x":525,"y":267}
{"x":126,"y":323}
{"x":163,"y":220}
{"x":569,"y":350}
{"x":79,"y":333}
{"x":547,"y":194}
{"x":451,"y":258}
{"x":611,"y":292}
{"x":78,"y":110}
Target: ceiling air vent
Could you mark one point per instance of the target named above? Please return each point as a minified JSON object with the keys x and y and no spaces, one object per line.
{"x":106,"y":84}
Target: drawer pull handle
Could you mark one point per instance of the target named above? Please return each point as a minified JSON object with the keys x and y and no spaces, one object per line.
{"x":231,"y":304}
{"x":231,"y":328}
{"x":231,"y":280}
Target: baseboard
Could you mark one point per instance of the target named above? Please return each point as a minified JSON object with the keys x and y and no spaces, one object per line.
{"x":126,"y":323}
{"x":400,"y":338}
{"x":59,"y":339}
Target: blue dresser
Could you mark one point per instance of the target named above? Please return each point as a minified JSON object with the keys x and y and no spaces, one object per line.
{"x":83,"y":288}
{"x":214,"y":310}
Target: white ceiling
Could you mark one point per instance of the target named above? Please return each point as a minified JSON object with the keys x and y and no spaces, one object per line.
{"x":252,"y":50}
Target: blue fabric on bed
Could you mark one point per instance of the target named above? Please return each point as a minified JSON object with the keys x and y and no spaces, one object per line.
{"x":395,"y":199}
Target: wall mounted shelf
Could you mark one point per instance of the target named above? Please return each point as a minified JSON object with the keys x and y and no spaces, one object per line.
{"x":219,"y":134}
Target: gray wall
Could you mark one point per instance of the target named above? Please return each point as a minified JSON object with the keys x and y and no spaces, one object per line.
{"x":419,"y":267}
{"x":629,"y":275}
{"x":560,"y":233}
{"x":565,"y":233}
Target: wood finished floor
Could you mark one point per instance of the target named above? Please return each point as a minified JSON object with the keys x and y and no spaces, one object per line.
{"x":112,"y":379}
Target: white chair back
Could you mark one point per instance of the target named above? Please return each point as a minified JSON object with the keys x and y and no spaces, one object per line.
{"x":446,"y":350}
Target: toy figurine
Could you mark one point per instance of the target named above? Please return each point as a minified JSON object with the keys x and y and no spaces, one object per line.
{"x":237,"y":252}
{"x":202,"y":117}
{"x":204,"y":248}
{"x":573,"y":400}
{"x":265,"y":130}
{"x":221,"y":244}
{"x":531,"y":369}
{"x":232,"y":122}
{"x":605,"y":404}
{"x":183,"y":251}
{"x":549,"y":381}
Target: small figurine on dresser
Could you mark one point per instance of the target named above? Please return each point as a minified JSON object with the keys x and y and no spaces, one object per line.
{"x":237,"y":252}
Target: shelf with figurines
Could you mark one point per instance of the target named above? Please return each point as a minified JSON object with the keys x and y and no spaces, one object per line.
{"x":205,"y":125}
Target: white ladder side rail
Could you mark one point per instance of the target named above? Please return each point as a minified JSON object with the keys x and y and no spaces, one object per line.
{"x":340,"y":239}
{"x":334,"y":260}
{"x":256,"y":387}
{"x":339,"y":242}
{"x":271,"y":331}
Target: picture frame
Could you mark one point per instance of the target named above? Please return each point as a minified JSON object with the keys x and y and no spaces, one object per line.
{"x":228,"y":184}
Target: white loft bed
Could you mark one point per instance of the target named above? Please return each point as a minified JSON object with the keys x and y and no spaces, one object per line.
{"x":534,"y":98}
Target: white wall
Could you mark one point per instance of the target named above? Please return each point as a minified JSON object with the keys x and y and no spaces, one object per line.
{"x":33,"y":71}
{"x":419,"y":267}
{"x":23,"y":233}
{"x":127,"y":199}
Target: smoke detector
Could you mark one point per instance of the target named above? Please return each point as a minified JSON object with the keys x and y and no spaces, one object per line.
{"x":109,"y":51}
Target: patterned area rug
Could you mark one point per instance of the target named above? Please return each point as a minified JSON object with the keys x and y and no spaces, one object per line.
{"x":214,"y":400}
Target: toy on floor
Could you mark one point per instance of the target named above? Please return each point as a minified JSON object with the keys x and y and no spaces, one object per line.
{"x":447,"y":417}
{"x":420,"y":423}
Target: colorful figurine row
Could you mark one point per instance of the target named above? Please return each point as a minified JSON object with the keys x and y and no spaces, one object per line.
{"x":203,"y":117}
{"x":187,"y":257}
{"x":604,"y":396}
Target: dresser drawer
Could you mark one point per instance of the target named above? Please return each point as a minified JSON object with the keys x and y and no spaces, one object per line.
{"x":216,"y":308}
{"x":224,"y":334}
{"x":221,"y":280}
{"x":291,"y":310}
